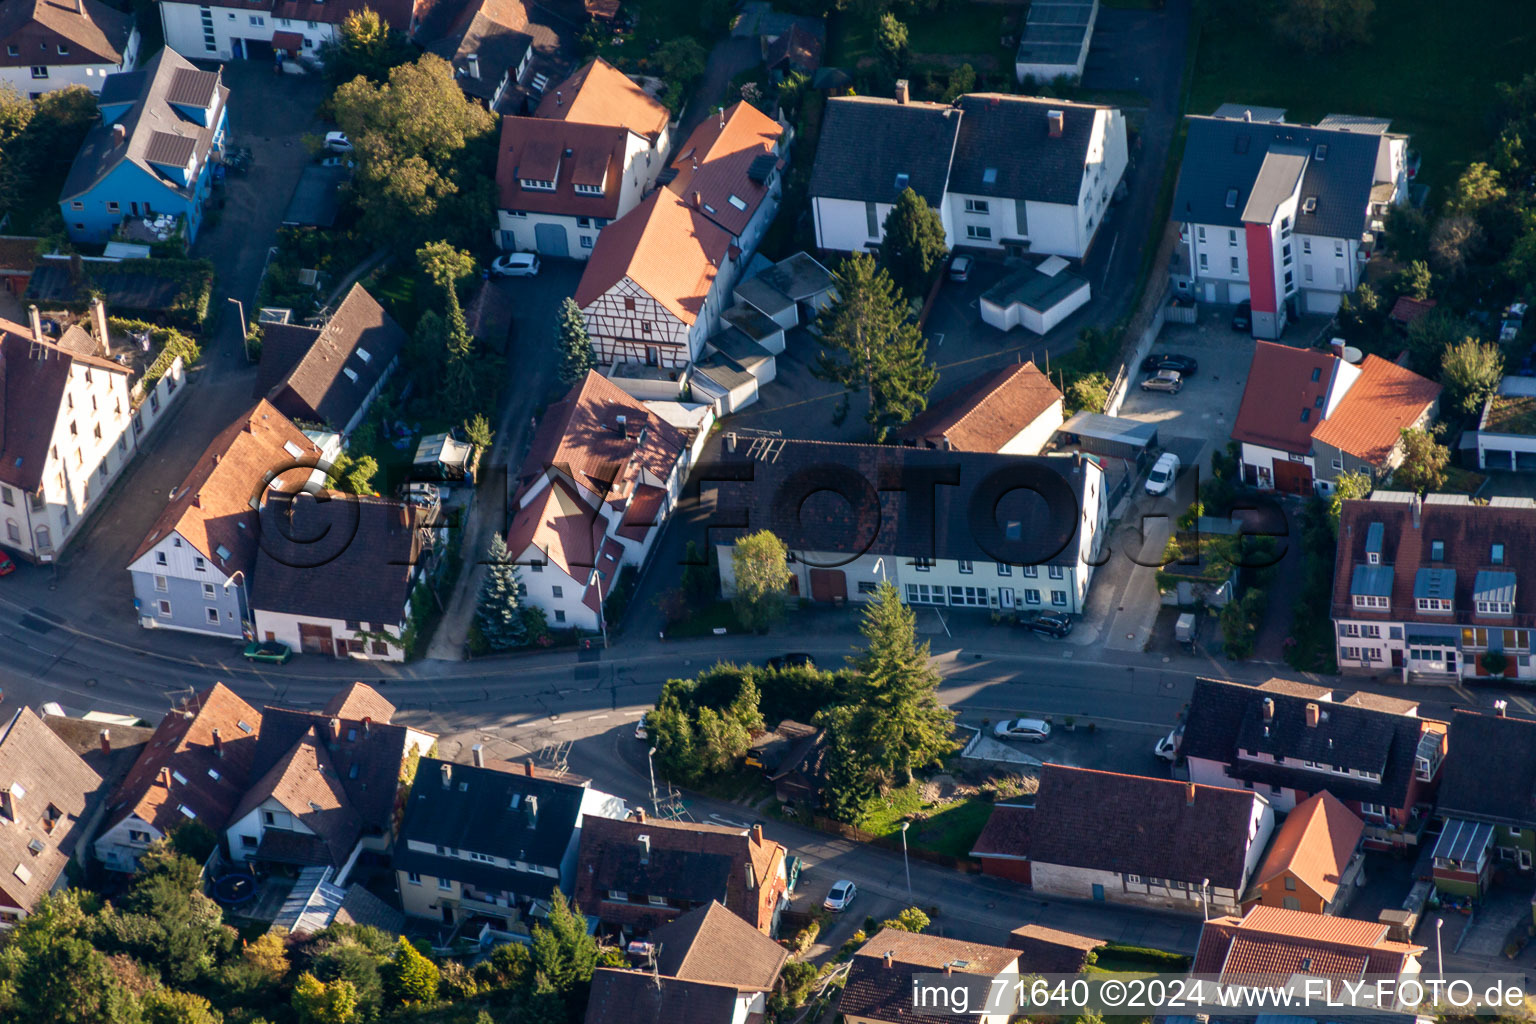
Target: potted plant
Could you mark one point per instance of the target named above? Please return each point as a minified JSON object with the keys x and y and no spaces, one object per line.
{"x":1070,"y":724}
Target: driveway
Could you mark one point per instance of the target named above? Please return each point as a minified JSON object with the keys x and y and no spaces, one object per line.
{"x":530,"y":304}
{"x":269,"y":113}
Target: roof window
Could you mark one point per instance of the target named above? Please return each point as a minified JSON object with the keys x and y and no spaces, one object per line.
{"x":1437,"y":550}
{"x":292,"y":449}
{"x":1317,"y":373}
{"x":362,"y":354}
{"x":244,"y":726}
{"x":1321,"y":152}
{"x":989,"y":176}
{"x":1306,"y":415}
{"x":1309,"y":204}
{"x":1496,"y":555}
{"x":737,"y":201}
{"x":901,"y":181}
{"x":352,"y":374}
{"x":184,"y":809}
{"x":1231,"y":198}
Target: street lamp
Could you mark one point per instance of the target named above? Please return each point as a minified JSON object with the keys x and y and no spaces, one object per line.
{"x":596,"y":579}
{"x":245,"y":332}
{"x":1439,"y":955}
{"x":1205,"y":913}
{"x":904,"y":862}
{"x":880,"y":568}
{"x":244,"y":601}
{"x":650,"y":763}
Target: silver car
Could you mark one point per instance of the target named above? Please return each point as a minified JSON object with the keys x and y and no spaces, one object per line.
{"x":1170,"y":381}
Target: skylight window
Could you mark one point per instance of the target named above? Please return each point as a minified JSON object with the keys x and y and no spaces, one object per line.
{"x":213,"y":773}
{"x":1309,"y":204}
{"x":179,"y":777}
{"x":989,"y":176}
{"x":1231,"y":198}
{"x":184,"y":809}
{"x":244,"y":726}
{"x":1321,"y":152}
{"x":351,"y":373}
{"x":901,"y":181}
{"x":292,"y":449}
{"x":362,"y":354}
{"x":737,"y":201}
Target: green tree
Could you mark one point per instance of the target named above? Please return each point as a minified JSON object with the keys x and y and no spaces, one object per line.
{"x":1471,"y":371}
{"x":268,"y":953}
{"x":1090,"y":392}
{"x":1407,"y":234}
{"x":1424,"y":461}
{"x":853,"y":778}
{"x":723,"y":741}
{"x":410,"y":977}
{"x":1455,"y":241}
{"x":1240,"y":624}
{"x":671,"y":731}
{"x":359,"y":474}
{"x":1317,"y":26}
{"x":1479,"y":186}
{"x":477,"y":429}
{"x":316,"y":1002}
{"x":167,"y":1006}
{"x":910,"y":920}
{"x":913,"y":248}
{"x":576,"y":358}
{"x":498,"y":612}
{"x":66,"y":981}
{"x":418,"y":143}
{"x":896,"y":690}
{"x":564,"y":956}
{"x":446,"y":266}
{"x":1415,"y":280}
{"x":962,"y":80}
{"x":1428,"y":338}
{"x":869,"y":345}
{"x":681,"y":60}
{"x":367,"y":46}
{"x":1347,"y":487}
{"x":761,"y":565}
{"x":891,"y":42}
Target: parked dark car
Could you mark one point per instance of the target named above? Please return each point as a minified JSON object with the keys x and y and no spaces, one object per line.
{"x":798,"y":660}
{"x":1242,"y":320}
{"x":1052,"y":624}
{"x":1169,"y":361}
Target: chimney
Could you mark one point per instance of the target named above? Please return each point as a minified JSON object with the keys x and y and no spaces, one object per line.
{"x":531,"y":808}
{"x":165,"y":775}
{"x":1056,"y":121}
{"x":1269,"y":709}
{"x":335,"y":730}
{"x":1189,"y":794}
{"x":80,"y":7}
{"x":757,"y":835}
{"x":7,"y":805}
{"x":528,"y":767}
{"x":903,"y":91}
{"x":559,"y":99}
{"x":1417,"y":504}
{"x":949,"y":967}
{"x":119,"y":135}
{"x":447,"y":770}
{"x":106,"y":741}
{"x":99,"y":323}
{"x":1247,"y":115}
{"x":1336,"y":346}
{"x":367,"y":726}
{"x":751,"y":875}
{"x":621,"y":421}
{"x":890,"y":958}
{"x":730,"y":442}
{"x":218,"y":744}
{"x":640,"y":815}
{"x":645,"y":848}
{"x":722,"y":117}
{"x":472,"y":60}
{"x":36,"y":320}
{"x":1313,"y":713}
{"x":698,"y":200}
{"x":478,"y":750}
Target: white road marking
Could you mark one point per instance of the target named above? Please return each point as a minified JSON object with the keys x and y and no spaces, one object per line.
{"x":593,"y":718}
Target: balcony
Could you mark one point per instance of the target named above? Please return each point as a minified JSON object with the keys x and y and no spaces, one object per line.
{"x":492,"y":906}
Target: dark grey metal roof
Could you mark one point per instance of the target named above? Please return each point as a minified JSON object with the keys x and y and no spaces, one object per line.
{"x":1439,"y":583}
{"x":1493,"y":585}
{"x":1223,"y":154}
{"x":123,"y":87}
{"x":484,"y":810}
{"x":867,"y":142}
{"x":798,"y":277}
{"x":1060,"y":12}
{"x":1371,"y":581}
{"x":1109,"y":428}
{"x":1011,"y":137}
{"x":1241,"y":112}
{"x":1463,"y":840}
{"x":191,"y":87}
{"x":1375,"y":537}
{"x":1276,"y":182}
{"x":316,"y":199}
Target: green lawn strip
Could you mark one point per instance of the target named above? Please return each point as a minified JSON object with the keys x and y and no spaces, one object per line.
{"x":950,"y":829}
{"x":704,"y":621}
{"x":1458,"y":54}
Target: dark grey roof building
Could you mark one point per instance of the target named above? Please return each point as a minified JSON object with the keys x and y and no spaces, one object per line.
{"x":872,"y":149}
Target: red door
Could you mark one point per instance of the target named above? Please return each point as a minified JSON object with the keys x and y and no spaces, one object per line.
{"x":1293,"y":477}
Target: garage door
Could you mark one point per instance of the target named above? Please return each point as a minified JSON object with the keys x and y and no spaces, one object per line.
{"x":828,"y":585}
{"x":1525,"y":461}
{"x":315,"y":639}
{"x":1293,"y":477}
{"x":551,"y":240}
{"x":1498,"y":458}
{"x":260,"y":49}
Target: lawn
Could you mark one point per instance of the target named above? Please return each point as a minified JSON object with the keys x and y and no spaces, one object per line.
{"x":1512,"y":414}
{"x":1431,"y":67}
{"x":656,"y":22}
{"x":950,"y":829}
{"x":703,"y":622}
{"x":974,"y":32}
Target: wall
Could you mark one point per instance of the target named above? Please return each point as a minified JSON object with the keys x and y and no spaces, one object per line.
{"x":126,"y":183}
{"x":284,"y":627}
{"x":1078,"y":883}
{"x":1262,"y":457}
{"x":60,"y":76}
{"x":189,"y":604}
{"x":1034,"y":436}
{"x":184,"y":30}
{"x":117,"y":850}
{"x":620,"y":333}
{"x":253,"y":826}
{"x":519,"y":233}
{"x":842,"y":225}
{"x":1002,"y":867}
{"x":566,"y":611}
{"x":1274,"y":894}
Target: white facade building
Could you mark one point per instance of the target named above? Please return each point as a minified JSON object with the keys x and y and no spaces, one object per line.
{"x":63,"y":43}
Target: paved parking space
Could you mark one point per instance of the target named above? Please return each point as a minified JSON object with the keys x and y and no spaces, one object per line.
{"x":1199,"y":418}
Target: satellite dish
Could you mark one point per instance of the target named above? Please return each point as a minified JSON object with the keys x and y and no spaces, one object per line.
{"x":1352,"y":354}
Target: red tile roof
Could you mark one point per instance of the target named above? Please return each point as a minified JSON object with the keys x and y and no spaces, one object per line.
{"x":600,"y":93}
{"x":1280,"y":401}
{"x":213,"y":509}
{"x":305,"y":782}
{"x":95,"y":32}
{"x":1315,"y":844}
{"x":714,"y":161}
{"x":877,"y":990}
{"x":564,"y":527}
{"x":1270,"y":940}
{"x":1368,"y":420}
{"x":569,"y":154}
{"x":359,"y":701}
{"x":1006,"y":833}
{"x":1407,"y":309}
{"x":666,"y":247}
{"x":644,"y":512}
{"x":985,"y":413}
{"x":173,"y":771}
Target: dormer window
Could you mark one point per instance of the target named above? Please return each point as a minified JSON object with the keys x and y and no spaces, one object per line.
{"x":1496,"y":555}
{"x":588,"y":190}
{"x":1370,"y":602}
{"x":1434,"y":604}
{"x":1495,"y":608}
{"x":1373,"y":557}
{"x":536,"y":185}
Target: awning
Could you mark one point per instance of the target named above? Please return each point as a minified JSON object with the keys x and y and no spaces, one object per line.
{"x":1464,"y":841}
{"x":293,"y":42}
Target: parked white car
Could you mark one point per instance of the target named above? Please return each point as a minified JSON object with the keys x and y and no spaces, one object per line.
{"x":337,"y":142}
{"x":1167,"y":748}
{"x":841,"y":896}
{"x":1034,"y":730}
{"x":516,"y":264}
{"x":1164,"y":472}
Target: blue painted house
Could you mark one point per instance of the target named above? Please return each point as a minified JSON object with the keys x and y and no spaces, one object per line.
{"x":161,"y":128}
